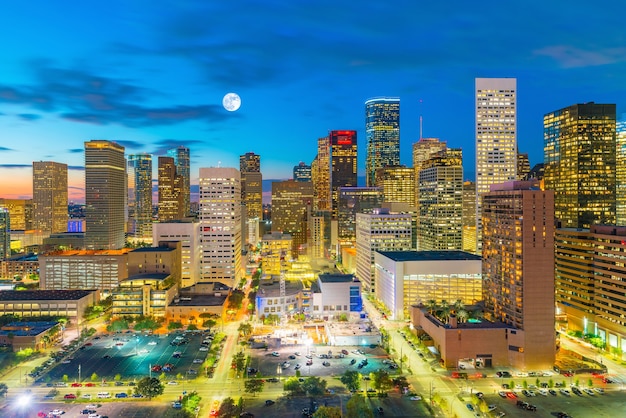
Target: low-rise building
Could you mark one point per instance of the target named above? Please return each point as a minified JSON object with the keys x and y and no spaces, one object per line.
{"x":44,"y":303}
{"x":407,"y":278}
{"x":34,"y":335}
{"x":146,"y":294}
{"x":270,"y":300}
{"x":334,"y":295}
{"x":193,"y":303}
{"x":22,"y":266}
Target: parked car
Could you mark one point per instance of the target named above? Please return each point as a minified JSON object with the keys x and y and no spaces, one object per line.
{"x":69,"y":396}
{"x":121,"y":395}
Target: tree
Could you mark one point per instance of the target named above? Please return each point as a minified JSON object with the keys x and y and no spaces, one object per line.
{"x":245,"y":329}
{"x":177,"y":413}
{"x":327,"y":412}
{"x":65,"y":378}
{"x":253,"y":386}
{"x":293,"y":386}
{"x":352,"y":380}
{"x":94,"y":377}
{"x":228,"y":409}
{"x":314,"y":386}
{"x":3,"y":389}
{"x":357,"y":407}
{"x":174,"y":325}
{"x":462,"y":315}
{"x":235,"y":299}
{"x":117,"y":377}
{"x":192,"y":327}
{"x":209,"y":323}
{"x":272,"y":319}
{"x":381,"y":381}
{"x":239,"y":361}
{"x":119,"y":324}
{"x":149,"y":387}
{"x":431,"y":305}
{"x":147,"y":323}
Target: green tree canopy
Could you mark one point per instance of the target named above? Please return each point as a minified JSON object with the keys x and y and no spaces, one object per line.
{"x":253,"y":386}
{"x":149,"y":387}
{"x":352,"y":380}
{"x":147,"y":323}
{"x":209,"y":323}
{"x":381,"y":381}
{"x":228,"y":409}
{"x":293,"y":386}
{"x":174,"y":325}
{"x":245,"y":328}
{"x":3,"y":389}
{"x":357,"y":407}
{"x":314,"y":386}
{"x":327,"y":412}
{"x":119,"y":324}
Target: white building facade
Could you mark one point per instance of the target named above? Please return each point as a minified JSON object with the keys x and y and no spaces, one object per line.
{"x":188,"y":234}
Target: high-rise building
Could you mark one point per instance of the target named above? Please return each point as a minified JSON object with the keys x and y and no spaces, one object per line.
{"x":441,"y":202}
{"x":140,"y":195}
{"x":251,"y":191}
{"x":171,"y":202}
{"x":105,"y":195}
{"x":5,"y":233}
{"x":21,"y":211}
{"x":379,"y":231}
{"x":182,"y":161}
{"x":620,"y":171}
{"x":397,"y":182}
{"x":382,"y":135}
{"x":523,"y":165}
{"x":290,"y":203}
{"x":353,"y":200}
{"x":580,"y":160}
{"x":302,"y":172}
{"x":518,"y":269}
{"x":187,"y":232}
{"x":422,"y":151}
{"x":220,"y":224}
{"x":496,"y":137}
{"x":320,"y":175}
{"x":343,"y":163}
{"x":50,"y":212}
{"x":469,"y":216}
{"x":319,"y":225}
{"x":591,"y":283}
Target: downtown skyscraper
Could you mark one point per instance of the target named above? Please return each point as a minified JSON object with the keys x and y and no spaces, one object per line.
{"x":140,"y":195}
{"x":343,"y":164}
{"x":382,"y":135}
{"x":50,"y":197}
{"x":251,"y":192}
{"x":171,"y":191}
{"x":105,"y":195}
{"x":580,"y":164}
{"x":182,"y":162}
{"x":496,"y":138}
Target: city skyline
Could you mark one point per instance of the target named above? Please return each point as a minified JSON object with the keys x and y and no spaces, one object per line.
{"x":153,"y":79}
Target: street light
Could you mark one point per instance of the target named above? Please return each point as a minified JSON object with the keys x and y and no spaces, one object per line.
{"x":431,"y":392}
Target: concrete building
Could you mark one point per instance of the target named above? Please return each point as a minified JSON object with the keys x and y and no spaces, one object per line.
{"x":302,"y":172}
{"x":276,"y":253}
{"x":220,"y":225}
{"x":397,"y":183}
{"x":36,"y":335}
{"x":139,"y":171}
{"x":406,"y":278}
{"x":171,"y":197}
{"x":86,"y":269}
{"x":379,"y":231}
{"x":422,"y":151}
{"x":187,"y":232}
{"x":335,"y":294}
{"x":590,"y":289}
{"x":496,"y":138}
{"x":105,"y":195}
{"x":45,"y":303}
{"x":21,"y":265}
{"x":290,"y":203}
{"x":182,"y":162}
{"x":468,"y":219}
{"x":165,"y":259}
{"x":50,"y":197}
{"x":194,"y":302}
{"x":518,"y":269}
{"x":145,"y":294}
{"x":353,"y":200}
{"x":20,"y":211}
{"x":270,"y":299}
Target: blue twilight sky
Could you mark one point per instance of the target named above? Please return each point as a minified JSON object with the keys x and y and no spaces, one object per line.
{"x":151,"y":74}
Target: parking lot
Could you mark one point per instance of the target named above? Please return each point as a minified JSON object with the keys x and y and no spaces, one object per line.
{"x":269,"y":364}
{"x":111,"y":410}
{"x":132,"y":356}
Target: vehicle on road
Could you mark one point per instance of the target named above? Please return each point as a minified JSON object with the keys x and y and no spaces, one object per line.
{"x":57,"y":412}
{"x":172,"y":382}
{"x":552,"y":392}
{"x":197,"y":361}
{"x":297,"y":367}
{"x":275,"y":354}
{"x":121,"y":395}
{"x":69,"y":396}
{"x":269,"y":402}
{"x":415,"y":398}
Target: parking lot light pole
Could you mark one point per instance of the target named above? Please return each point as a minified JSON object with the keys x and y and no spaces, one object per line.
{"x":431,"y":392}
{"x":79,"y":372}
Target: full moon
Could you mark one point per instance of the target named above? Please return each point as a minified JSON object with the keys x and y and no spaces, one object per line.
{"x":231,"y":102}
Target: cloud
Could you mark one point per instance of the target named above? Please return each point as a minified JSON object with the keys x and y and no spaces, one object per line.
{"x":11,"y":166}
{"x":80,"y":96}
{"x":570,"y":56}
{"x":6,"y":149}
{"x":130,"y":144}
{"x":29,"y":116}
{"x":75,"y":150}
{"x":76,"y":167}
{"x":163,"y":145}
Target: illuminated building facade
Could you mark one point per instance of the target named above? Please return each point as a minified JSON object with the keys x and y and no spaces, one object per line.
{"x":171,"y":202}
{"x":105,"y":195}
{"x":580,"y":160}
{"x":523,"y":165}
{"x":251,"y":191}
{"x":290,"y":203}
{"x":139,"y":171}
{"x":397,"y":182}
{"x":343,"y":163}
{"x":518,"y":269}
{"x":302,"y":172}
{"x":382,"y":135}
{"x":182,"y":161}
{"x":320,"y":175}
{"x":441,"y":202}
{"x":405,"y":278}
{"x":187,"y":232}
{"x":590,"y":283}
{"x":496,"y":137}
{"x":379,"y":231}
{"x":469,"y":216}
{"x":50,"y":197}
{"x":21,"y":211}
{"x":276,"y":253}
{"x":353,"y":200}
{"x":422,"y":151}
{"x":5,"y":233}
{"x":220,"y":224}
{"x":620,"y":171}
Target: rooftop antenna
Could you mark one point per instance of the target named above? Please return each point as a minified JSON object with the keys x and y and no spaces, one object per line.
{"x":421,"y":120}
{"x":219,"y":163}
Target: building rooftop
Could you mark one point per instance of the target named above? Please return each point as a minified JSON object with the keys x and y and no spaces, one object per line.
{"x":12,"y":295}
{"x":337,"y":278}
{"x":25,"y":329}
{"x":272,"y":289}
{"x":147,"y":276}
{"x":72,"y":253}
{"x":153,"y":249}
{"x":190,"y":299}
{"x":22,"y":257}
{"x":451,"y":255}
